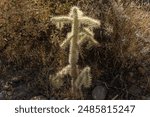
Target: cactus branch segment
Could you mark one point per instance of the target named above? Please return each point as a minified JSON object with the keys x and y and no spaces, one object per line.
{"x":89,"y":21}
{"x":87,"y":35}
{"x":66,"y":42}
{"x":63,"y":19}
{"x":84,"y":78}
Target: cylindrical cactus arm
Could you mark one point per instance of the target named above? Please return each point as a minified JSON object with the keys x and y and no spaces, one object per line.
{"x":87,"y":32}
{"x":87,"y":35}
{"x":66,"y":42}
{"x":89,"y":21}
{"x":64,"y":19}
{"x":84,"y":78}
{"x":82,"y":39}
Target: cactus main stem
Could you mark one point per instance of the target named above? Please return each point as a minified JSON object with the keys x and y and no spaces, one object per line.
{"x":73,"y":56}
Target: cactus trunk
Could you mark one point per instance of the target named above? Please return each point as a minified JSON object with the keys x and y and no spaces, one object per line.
{"x":73,"y":56}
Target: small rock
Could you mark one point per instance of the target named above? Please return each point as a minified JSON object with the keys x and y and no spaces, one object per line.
{"x":99,"y":93}
{"x":135,"y":90}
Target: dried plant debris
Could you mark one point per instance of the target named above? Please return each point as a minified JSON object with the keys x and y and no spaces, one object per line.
{"x":99,"y":93}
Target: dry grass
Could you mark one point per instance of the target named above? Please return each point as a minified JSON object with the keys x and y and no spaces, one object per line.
{"x":29,"y":43}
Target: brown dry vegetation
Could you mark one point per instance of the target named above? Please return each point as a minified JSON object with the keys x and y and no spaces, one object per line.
{"x":30,"y":51}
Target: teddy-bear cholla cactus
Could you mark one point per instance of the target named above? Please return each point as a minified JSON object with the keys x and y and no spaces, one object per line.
{"x":77,"y":19}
